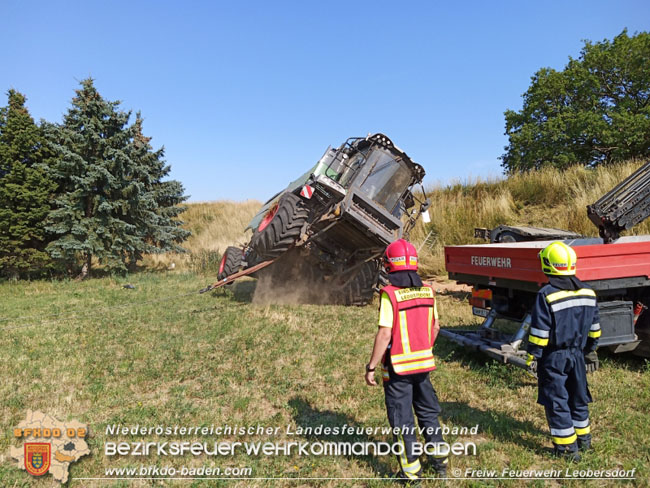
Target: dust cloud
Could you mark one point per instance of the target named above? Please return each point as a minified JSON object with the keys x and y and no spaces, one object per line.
{"x":293,"y":280}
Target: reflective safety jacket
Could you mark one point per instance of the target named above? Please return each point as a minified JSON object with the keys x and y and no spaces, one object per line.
{"x":414,"y":317}
{"x":564,"y":319}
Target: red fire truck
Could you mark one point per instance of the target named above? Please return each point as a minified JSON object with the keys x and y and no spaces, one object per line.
{"x":506,"y":277}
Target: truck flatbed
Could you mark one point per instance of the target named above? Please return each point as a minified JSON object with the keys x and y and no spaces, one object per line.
{"x":628,"y":257}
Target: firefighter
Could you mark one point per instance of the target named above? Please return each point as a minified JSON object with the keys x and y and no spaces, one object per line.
{"x":564,"y":329}
{"x":408,"y":326}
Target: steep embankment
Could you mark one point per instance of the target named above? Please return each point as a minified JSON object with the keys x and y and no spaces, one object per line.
{"x":546,"y":198}
{"x":214,"y":226}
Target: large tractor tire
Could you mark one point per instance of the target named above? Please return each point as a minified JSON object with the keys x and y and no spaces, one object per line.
{"x":280,"y":228}
{"x":359,"y":289}
{"x":230,"y":262}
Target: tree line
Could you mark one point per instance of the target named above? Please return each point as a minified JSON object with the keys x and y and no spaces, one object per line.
{"x":91,"y":188}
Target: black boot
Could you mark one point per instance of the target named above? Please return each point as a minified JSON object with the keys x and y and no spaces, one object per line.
{"x":440,"y":466}
{"x":405,"y":480}
{"x":584,"y":442}
{"x":569,"y":454}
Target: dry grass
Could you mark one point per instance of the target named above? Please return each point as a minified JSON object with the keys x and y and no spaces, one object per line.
{"x":214,"y":226}
{"x":546,"y":198}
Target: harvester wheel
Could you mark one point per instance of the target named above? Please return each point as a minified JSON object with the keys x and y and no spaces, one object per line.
{"x":230,"y":262}
{"x":280,"y":228}
{"x":360,"y":289}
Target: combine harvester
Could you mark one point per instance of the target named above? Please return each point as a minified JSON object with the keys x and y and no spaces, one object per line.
{"x":329,"y":228}
{"x":506,"y":277}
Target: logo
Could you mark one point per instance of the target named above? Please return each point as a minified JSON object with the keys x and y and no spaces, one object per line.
{"x":49,"y":446}
{"x":37,"y":457}
{"x":490,"y":261}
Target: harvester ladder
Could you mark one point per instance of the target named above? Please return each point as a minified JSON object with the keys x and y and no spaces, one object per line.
{"x":428,"y":241}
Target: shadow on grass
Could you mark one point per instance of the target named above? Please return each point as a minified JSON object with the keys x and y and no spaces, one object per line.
{"x":625,"y":360}
{"x":458,"y":295}
{"x":492,"y":372}
{"x":239,"y":291}
{"x":306,"y":415}
{"x":500,"y":426}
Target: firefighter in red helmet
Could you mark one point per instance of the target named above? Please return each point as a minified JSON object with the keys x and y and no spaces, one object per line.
{"x":408,"y":326}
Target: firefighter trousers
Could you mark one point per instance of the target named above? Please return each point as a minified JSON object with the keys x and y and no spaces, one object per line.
{"x":563,"y":391}
{"x":403,"y":395}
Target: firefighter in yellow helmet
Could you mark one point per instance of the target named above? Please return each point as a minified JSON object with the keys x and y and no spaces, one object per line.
{"x":564,"y":328}
{"x":408,"y":326}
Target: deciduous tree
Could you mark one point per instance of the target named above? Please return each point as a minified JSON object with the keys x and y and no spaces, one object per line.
{"x":595,"y":111}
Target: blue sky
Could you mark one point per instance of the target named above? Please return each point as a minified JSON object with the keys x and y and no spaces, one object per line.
{"x":245,"y":96}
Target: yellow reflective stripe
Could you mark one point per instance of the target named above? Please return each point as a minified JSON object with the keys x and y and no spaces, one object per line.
{"x":584,"y":431}
{"x":406,"y":345}
{"x":559,"y":295}
{"x":435,"y":310}
{"x":413,"y":293}
{"x":430,"y":327}
{"x":565,"y":440}
{"x":595,"y":334}
{"x":400,"y":358}
{"x":409,"y":469}
{"x":537,"y":340}
{"x":428,"y":363}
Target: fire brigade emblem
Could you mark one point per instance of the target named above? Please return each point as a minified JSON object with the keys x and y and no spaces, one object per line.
{"x":37,"y":457}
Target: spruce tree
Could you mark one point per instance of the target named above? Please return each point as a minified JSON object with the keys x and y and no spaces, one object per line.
{"x":107,"y":183}
{"x":153,"y":204}
{"x":25,"y":192}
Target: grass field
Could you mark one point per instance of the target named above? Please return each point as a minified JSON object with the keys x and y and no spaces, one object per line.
{"x":138,"y":356}
{"x":161,"y":354}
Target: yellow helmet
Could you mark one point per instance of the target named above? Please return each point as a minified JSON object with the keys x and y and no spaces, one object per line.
{"x":558,"y":259}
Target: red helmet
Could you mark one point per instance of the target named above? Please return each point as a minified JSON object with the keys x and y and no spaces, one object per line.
{"x":401,"y":256}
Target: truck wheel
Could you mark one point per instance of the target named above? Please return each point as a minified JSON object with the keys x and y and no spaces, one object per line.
{"x":360,"y":289}
{"x":280,"y":228}
{"x":230,"y":262}
{"x":508,"y":236}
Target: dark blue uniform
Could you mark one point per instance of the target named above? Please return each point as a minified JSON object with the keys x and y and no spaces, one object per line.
{"x":403,"y":394}
{"x":564,"y":327}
